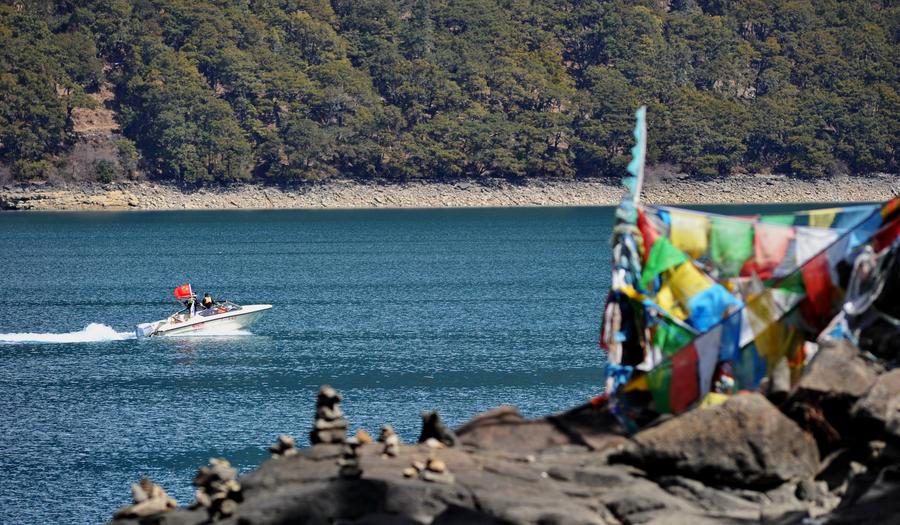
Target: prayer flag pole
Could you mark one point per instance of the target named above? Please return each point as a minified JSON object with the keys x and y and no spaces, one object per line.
{"x":638,"y":155}
{"x":635,"y":180}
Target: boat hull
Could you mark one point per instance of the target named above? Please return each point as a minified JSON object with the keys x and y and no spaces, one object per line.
{"x":220,"y":324}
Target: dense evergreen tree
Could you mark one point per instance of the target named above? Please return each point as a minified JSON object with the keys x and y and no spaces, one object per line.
{"x":290,"y":90}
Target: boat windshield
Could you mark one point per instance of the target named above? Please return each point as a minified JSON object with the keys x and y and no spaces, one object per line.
{"x":220,"y":307}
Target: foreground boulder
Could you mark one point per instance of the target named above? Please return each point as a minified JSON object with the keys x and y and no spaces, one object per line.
{"x":838,"y":370}
{"x":569,"y":486}
{"x":505,"y":429}
{"x":879,"y":410}
{"x":877,"y":502}
{"x":725,"y":465}
{"x":306,"y":488}
{"x":745,"y":442}
{"x":823,"y":400}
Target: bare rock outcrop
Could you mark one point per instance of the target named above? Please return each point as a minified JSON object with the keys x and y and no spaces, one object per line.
{"x":838,"y":370}
{"x":745,"y":441}
{"x":823,"y":399}
{"x":879,"y":410}
{"x":876,"y":501}
{"x":740,"y":462}
{"x":504,"y":428}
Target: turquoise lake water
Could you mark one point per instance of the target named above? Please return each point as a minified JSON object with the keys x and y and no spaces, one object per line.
{"x":456,"y":310}
{"x":401,"y":310}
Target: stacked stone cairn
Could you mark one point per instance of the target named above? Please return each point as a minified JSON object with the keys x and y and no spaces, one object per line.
{"x":391,"y":441}
{"x":149,"y":499}
{"x":330,"y":425}
{"x":433,"y":470}
{"x":284,"y":447}
{"x":436,"y":472}
{"x":218,"y":490}
{"x":349,"y":460}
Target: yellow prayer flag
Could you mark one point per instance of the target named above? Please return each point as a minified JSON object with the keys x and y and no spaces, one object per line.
{"x":639,"y":383}
{"x":778,"y":341}
{"x":714,"y":398}
{"x":687,"y":281}
{"x":666,"y":299}
{"x":759,"y":313}
{"x":822,"y":218}
{"x":689,"y":232}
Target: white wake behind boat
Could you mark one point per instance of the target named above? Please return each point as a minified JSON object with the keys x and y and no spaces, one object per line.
{"x":221,"y":318}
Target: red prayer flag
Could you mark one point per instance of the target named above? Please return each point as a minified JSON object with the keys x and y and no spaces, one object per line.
{"x":685,"y":386}
{"x":770,"y":245}
{"x":886,"y":235}
{"x":817,"y":306}
{"x":649,"y":234}
{"x":890,"y":207}
{"x":184,"y":291}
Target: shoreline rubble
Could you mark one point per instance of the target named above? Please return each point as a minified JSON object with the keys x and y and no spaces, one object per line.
{"x":347,"y":194}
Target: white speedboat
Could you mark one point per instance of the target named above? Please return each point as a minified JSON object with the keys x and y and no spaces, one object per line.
{"x":220,"y":318}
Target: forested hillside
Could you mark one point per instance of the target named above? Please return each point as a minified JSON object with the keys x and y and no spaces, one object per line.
{"x":289,"y":90}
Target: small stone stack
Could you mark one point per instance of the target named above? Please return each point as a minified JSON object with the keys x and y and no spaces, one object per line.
{"x":330,"y":426}
{"x":218,"y":490}
{"x":283,"y":447}
{"x":149,"y":499}
{"x":363,"y":437}
{"x":436,"y":472}
{"x":349,"y":460}
{"x":391,"y":441}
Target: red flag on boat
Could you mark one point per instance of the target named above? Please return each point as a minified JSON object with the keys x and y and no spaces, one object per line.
{"x":183,"y":292}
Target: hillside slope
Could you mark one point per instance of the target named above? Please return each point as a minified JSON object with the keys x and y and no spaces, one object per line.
{"x":292,"y":90}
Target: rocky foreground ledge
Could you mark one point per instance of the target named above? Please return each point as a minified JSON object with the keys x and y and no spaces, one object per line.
{"x":661,"y":189}
{"x":835,"y":460}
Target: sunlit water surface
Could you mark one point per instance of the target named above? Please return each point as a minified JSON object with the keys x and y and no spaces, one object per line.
{"x":401,"y":310}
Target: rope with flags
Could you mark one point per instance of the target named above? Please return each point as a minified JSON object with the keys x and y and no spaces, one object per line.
{"x":701,"y":299}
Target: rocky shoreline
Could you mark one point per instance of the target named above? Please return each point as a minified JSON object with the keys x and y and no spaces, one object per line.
{"x":661,"y":189}
{"x":744,"y":461}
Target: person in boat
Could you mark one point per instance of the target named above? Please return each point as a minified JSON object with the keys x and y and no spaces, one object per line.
{"x":190,"y":305}
{"x":207,"y":301}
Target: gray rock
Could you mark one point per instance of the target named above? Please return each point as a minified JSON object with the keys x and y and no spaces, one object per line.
{"x":744,"y":442}
{"x":627,"y":507}
{"x":824,"y":397}
{"x":714,"y":502}
{"x":594,"y":476}
{"x":808,"y":490}
{"x":838,"y":370}
{"x":879,"y":409}
{"x":642,"y":501}
{"x":878,"y":502}
{"x":504,"y":428}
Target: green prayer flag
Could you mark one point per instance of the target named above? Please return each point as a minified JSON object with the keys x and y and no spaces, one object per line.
{"x":731,"y":244}
{"x":659,"y":381}
{"x":791,"y":283}
{"x":787,"y":220}
{"x":670,"y":338}
{"x":663,"y":255}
